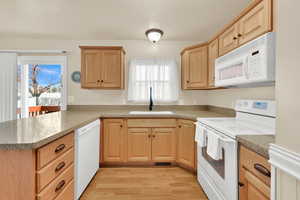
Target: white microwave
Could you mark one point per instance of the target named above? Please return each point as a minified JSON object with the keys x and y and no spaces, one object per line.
{"x":252,"y":63}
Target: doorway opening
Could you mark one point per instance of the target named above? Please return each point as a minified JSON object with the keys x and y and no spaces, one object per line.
{"x":41,"y":85}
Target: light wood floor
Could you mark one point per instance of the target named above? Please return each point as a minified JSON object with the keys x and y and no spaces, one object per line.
{"x":170,"y":183}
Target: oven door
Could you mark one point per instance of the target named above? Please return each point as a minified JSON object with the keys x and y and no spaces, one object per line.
{"x":220,"y":176}
{"x":231,"y":72}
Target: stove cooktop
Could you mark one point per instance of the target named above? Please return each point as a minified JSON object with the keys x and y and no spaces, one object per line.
{"x":233,"y":127}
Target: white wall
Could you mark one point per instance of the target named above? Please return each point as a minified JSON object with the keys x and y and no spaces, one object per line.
{"x":227,"y":97}
{"x":287,"y":90}
{"x":134,"y":49}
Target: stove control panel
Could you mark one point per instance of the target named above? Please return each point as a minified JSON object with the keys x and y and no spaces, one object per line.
{"x":259,"y":107}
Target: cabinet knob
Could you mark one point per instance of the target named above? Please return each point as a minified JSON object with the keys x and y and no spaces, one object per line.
{"x":153,"y":136}
{"x":187,"y":81}
{"x":102,"y":81}
{"x":121,"y":126}
{"x":241,"y":184}
{"x":149,"y":136}
{"x":179,"y":126}
{"x":235,"y":38}
{"x":240,"y":35}
{"x":98,"y":81}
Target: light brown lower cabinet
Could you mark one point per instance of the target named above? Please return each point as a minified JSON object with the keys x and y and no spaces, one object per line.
{"x":149,"y":141}
{"x":163,"y":144}
{"x":114,"y":140}
{"x":46,"y":173}
{"x":254,"y":176}
{"x":186,"y":148}
{"x":139,"y":145}
{"x":151,"y":144}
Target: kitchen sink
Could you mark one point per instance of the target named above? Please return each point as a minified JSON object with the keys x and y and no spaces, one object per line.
{"x":151,"y":112}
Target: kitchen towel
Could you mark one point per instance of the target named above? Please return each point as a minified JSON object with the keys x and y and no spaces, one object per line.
{"x":200,"y":136}
{"x":214,"y":149}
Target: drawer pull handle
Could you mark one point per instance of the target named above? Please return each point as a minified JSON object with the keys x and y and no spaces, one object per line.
{"x":60,"y":166}
{"x":60,"y":148}
{"x":60,"y":185}
{"x":262,"y":170}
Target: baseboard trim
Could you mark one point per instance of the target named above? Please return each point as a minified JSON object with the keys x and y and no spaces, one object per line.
{"x":285,"y":160}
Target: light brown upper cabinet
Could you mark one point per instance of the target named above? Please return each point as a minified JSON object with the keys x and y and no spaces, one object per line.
{"x":194,"y":68}
{"x":197,"y":63}
{"x":102,"y":67}
{"x":213,"y":53}
{"x":186,"y":143}
{"x":253,"y":23}
{"x":256,"y":22}
{"x":228,"y":40}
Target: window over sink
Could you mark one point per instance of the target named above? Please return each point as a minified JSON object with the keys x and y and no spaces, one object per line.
{"x":159,"y":74}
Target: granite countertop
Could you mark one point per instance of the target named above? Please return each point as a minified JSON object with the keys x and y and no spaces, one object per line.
{"x":32,"y":133}
{"x":257,"y":143}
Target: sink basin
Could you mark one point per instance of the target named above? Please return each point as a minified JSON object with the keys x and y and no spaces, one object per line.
{"x":151,"y":112}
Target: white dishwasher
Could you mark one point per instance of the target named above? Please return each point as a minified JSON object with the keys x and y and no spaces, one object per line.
{"x":87,"y":141}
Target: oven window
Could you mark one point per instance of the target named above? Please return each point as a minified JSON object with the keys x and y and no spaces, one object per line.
{"x":218,"y":165}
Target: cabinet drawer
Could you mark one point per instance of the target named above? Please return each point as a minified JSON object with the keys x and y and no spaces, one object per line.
{"x":67,"y":193}
{"x":58,"y":185}
{"x":255,"y":164}
{"x":51,"y":151}
{"x":54,"y":169}
{"x":151,"y":123}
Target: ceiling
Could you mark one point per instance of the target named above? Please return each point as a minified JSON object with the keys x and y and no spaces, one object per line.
{"x":181,"y":20}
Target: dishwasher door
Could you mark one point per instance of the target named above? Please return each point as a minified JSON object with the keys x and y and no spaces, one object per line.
{"x":87,"y":143}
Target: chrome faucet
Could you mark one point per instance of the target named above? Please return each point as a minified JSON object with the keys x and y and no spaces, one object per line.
{"x":151,"y":101}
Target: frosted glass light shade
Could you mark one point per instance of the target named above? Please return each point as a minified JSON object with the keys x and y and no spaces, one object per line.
{"x":154,"y":35}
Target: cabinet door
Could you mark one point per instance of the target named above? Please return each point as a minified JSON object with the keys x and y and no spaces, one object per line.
{"x":163,"y":145}
{"x":139,"y":144}
{"x":213,"y":53}
{"x":256,"y":22}
{"x":186,"y":144}
{"x":196,"y":68}
{"x":114,"y":138}
{"x":228,"y":40}
{"x":90,"y":68}
{"x":111,"y":69}
{"x":253,"y":188}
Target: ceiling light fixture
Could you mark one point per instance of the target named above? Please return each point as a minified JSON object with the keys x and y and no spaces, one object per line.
{"x":154,"y":34}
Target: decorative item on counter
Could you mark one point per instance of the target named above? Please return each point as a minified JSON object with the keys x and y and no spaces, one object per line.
{"x":76,"y":76}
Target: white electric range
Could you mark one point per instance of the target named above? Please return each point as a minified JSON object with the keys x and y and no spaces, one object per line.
{"x":219,"y":178}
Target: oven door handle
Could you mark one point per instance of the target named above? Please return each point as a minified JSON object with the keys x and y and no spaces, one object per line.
{"x":227,"y":140}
